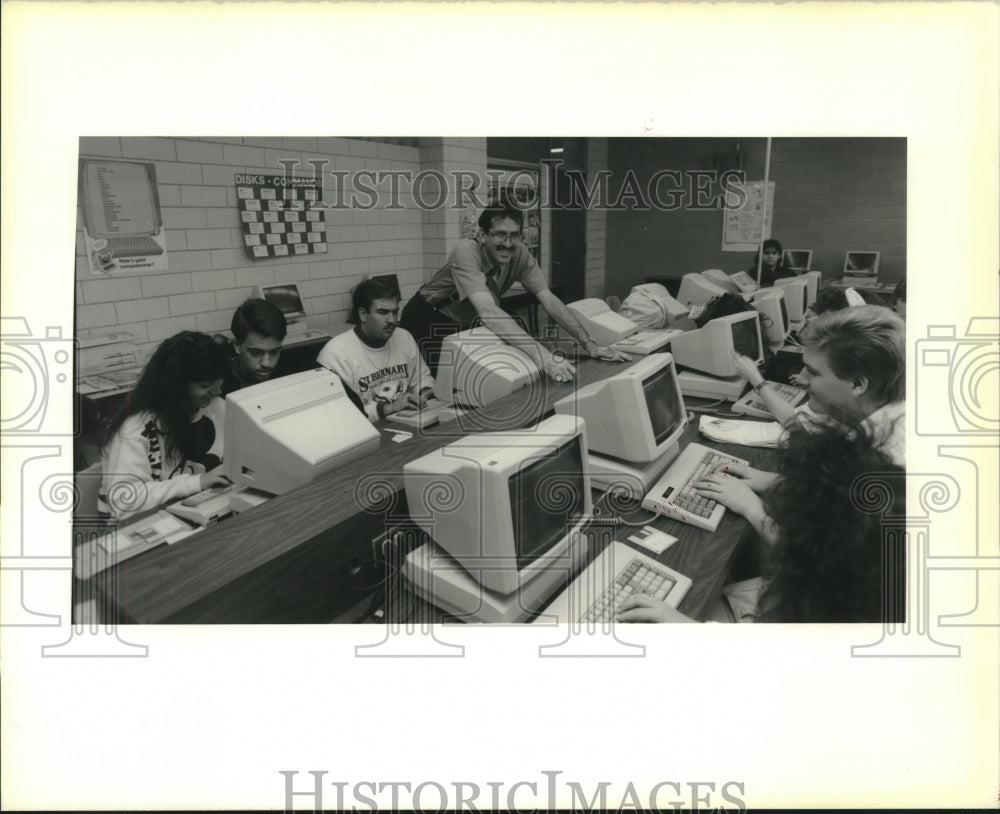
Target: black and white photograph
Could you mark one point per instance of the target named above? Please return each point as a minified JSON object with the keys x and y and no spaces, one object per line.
{"x":360,"y":398}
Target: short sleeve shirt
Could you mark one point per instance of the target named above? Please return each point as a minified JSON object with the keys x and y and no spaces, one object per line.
{"x":469,"y":269}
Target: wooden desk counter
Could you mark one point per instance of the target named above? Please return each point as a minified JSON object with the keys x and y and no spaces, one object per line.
{"x":289,"y":559}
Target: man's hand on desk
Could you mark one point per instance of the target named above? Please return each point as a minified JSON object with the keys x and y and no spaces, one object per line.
{"x":559,"y":368}
{"x":606,"y":354}
{"x":643,"y":608}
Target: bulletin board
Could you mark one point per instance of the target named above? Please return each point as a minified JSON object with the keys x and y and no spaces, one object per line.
{"x":281,"y":216}
{"x":743,"y":229}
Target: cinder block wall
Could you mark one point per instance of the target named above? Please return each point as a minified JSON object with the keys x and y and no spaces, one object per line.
{"x":209,"y":272}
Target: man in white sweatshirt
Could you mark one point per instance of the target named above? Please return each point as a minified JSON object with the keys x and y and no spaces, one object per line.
{"x":378,"y":360}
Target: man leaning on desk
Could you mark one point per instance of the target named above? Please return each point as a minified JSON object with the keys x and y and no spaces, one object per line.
{"x":469,"y":287}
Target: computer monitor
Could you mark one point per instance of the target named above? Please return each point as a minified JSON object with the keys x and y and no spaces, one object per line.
{"x":285,"y":296}
{"x":503,"y":505}
{"x":796,"y":297}
{"x":797,"y":259}
{"x":631,"y":454}
{"x":697,"y":289}
{"x":814,"y":279}
{"x":603,"y":325}
{"x":721,"y":279}
{"x":284,"y":433}
{"x":476,"y":367}
{"x":861,"y":264}
{"x":709,"y":348}
{"x":648,"y":394}
{"x":659,"y":294}
{"x":770,"y":303}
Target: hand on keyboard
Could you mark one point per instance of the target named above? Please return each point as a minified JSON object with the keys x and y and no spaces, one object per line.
{"x":758,"y":480}
{"x":644,"y":608}
{"x":731,"y":492}
{"x":214,"y":478}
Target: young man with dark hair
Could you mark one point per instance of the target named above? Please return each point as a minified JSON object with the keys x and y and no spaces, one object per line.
{"x":259,"y":330}
{"x":378,"y":360}
{"x":469,"y":287}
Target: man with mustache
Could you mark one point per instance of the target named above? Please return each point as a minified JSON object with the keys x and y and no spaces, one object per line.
{"x":378,"y":360}
{"x":469,"y":287}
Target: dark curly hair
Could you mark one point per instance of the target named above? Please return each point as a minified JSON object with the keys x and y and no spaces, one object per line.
{"x":163,"y":388}
{"x":831,"y":563}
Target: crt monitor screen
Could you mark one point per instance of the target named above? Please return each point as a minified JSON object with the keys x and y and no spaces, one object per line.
{"x":861,"y":263}
{"x":746,"y":338}
{"x":285,"y":297}
{"x":665,"y":412}
{"x":799,"y":259}
{"x":549,"y":496}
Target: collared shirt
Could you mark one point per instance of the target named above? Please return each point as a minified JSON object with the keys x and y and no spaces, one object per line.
{"x":469,"y":269}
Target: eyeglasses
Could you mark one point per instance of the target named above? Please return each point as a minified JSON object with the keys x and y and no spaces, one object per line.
{"x":503,"y":237}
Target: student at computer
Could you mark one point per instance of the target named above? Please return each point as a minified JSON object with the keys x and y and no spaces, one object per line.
{"x":855,"y":366}
{"x":378,"y":360}
{"x":826,"y":563}
{"x":771,"y":268}
{"x":166,"y":440}
{"x":259,"y":329}
{"x":480,"y":269}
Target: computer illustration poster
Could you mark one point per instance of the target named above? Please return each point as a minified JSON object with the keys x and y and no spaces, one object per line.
{"x":123,"y":225}
{"x":360,"y":717}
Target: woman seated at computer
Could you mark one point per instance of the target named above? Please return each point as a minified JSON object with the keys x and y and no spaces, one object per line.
{"x":771,"y":268}
{"x":166,"y":440}
{"x":826,"y":563}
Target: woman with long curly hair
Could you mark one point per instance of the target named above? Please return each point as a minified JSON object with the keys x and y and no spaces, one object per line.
{"x":166,"y":440}
{"x":831,"y":560}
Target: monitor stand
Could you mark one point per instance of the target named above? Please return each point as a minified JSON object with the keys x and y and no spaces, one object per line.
{"x":635,"y":478}
{"x":711,"y":387}
{"x":440,"y":580}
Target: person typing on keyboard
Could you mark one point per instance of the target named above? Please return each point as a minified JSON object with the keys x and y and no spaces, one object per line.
{"x":828,"y":561}
{"x":378,"y":360}
{"x":855,"y":369}
{"x":165,"y":442}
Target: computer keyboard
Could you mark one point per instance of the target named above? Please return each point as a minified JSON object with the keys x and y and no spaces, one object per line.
{"x":646,"y":342}
{"x":207,"y":506}
{"x":424,"y":416}
{"x":673,"y":494}
{"x":618,"y":572}
{"x":133,"y":246}
{"x":752,"y":404}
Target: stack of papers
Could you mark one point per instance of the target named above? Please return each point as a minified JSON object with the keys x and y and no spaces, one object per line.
{"x":747,"y":433}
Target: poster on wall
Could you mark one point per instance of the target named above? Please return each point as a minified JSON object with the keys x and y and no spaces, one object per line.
{"x":519,"y":186}
{"x":743,"y":229}
{"x":281,"y":216}
{"x":123,"y":229}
